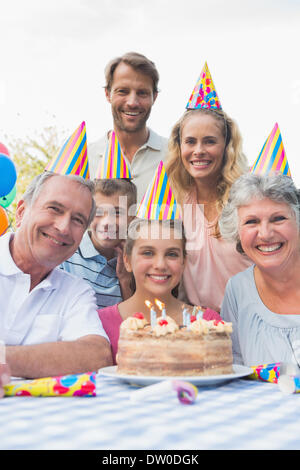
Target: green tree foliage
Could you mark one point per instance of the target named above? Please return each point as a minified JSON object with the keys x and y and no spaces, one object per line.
{"x":30,"y":156}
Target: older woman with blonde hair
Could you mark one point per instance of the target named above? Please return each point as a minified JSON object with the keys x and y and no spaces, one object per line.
{"x":205,"y":157}
{"x":262,"y":219}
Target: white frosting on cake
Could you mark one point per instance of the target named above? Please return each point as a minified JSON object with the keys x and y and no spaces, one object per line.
{"x":168,"y":327}
{"x":133,"y":323}
{"x":165,"y":325}
{"x":202,"y":326}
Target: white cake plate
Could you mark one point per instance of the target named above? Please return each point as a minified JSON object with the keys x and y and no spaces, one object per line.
{"x":239,"y":371}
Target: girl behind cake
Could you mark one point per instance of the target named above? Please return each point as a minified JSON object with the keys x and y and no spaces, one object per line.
{"x":155,"y":254}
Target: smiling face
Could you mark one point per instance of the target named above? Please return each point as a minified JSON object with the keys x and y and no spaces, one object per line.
{"x":109,"y":226}
{"x":51,"y":228}
{"x":157,"y":263}
{"x":131,"y":97}
{"x":269,"y":233}
{"x":202,"y":146}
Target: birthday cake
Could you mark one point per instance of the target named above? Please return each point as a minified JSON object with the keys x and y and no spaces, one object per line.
{"x":166,"y":349}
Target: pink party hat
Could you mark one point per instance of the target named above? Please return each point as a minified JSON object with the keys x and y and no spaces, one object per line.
{"x":113,"y":164}
{"x":272,"y":156}
{"x":159,"y":202}
{"x":72,"y":158}
{"x":204,"y":94}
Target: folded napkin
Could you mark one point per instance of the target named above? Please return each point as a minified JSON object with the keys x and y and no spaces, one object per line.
{"x":79,"y":385}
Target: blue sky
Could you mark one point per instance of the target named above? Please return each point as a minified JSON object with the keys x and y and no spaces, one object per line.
{"x":53,"y":54}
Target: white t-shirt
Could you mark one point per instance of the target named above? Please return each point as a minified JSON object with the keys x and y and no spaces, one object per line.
{"x":60,"y":308}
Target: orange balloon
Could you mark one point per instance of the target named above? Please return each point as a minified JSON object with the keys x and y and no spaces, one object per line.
{"x":4,"y":222}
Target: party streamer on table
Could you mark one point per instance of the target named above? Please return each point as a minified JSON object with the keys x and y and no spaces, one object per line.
{"x":185,"y":391}
{"x":271,"y":372}
{"x":79,"y":385}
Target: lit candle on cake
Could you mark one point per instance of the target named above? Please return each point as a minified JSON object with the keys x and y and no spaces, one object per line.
{"x":161,"y":307}
{"x":193,"y":315}
{"x":194,"y":311}
{"x":199,"y":313}
{"x":152,"y":313}
{"x":188,"y":321}
{"x":184,"y":315}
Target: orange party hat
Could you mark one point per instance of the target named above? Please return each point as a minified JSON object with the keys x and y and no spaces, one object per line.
{"x":159,"y":202}
{"x":272,"y":156}
{"x":113,"y":164}
{"x":204,"y":94}
{"x":72,"y":158}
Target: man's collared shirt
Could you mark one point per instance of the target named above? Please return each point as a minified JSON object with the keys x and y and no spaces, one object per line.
{"x":88,"y":264}
{"x":60,"y":308}
{"x":143,"y":164}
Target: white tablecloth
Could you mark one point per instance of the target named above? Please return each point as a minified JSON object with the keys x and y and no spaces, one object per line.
{"x":241,"y":414}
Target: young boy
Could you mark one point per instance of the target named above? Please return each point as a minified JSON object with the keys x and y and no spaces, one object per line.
{"x":99,"y":258}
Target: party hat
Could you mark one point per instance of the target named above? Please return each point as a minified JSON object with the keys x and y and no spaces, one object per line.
{"x":159,"y":202}
{"x":204,"y":94}
{"x":72,"y":158}
{"x":272,"y":156}
{"x":113,"y":164}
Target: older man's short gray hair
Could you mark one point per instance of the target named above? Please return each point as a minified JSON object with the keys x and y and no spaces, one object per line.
{"x":36,"y":185}
{"x":275,"y":186}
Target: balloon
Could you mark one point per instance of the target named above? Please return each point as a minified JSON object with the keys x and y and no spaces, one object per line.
{"x":5,"y":201}
{"x":4,"y":222}
{"x":8,"y":175}
{"x":4,"y":150}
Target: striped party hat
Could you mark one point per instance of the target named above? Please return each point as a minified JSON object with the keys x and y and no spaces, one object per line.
{"x":272,"y":156}
{"x":204,"y":94}
{"x":113,"y":164}
{"x":72,"y":158}
{"x":159,"y":202}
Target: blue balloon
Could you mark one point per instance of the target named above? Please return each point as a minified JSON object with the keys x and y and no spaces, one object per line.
{"x":8,"y":175}
{"x":6,"y":200}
